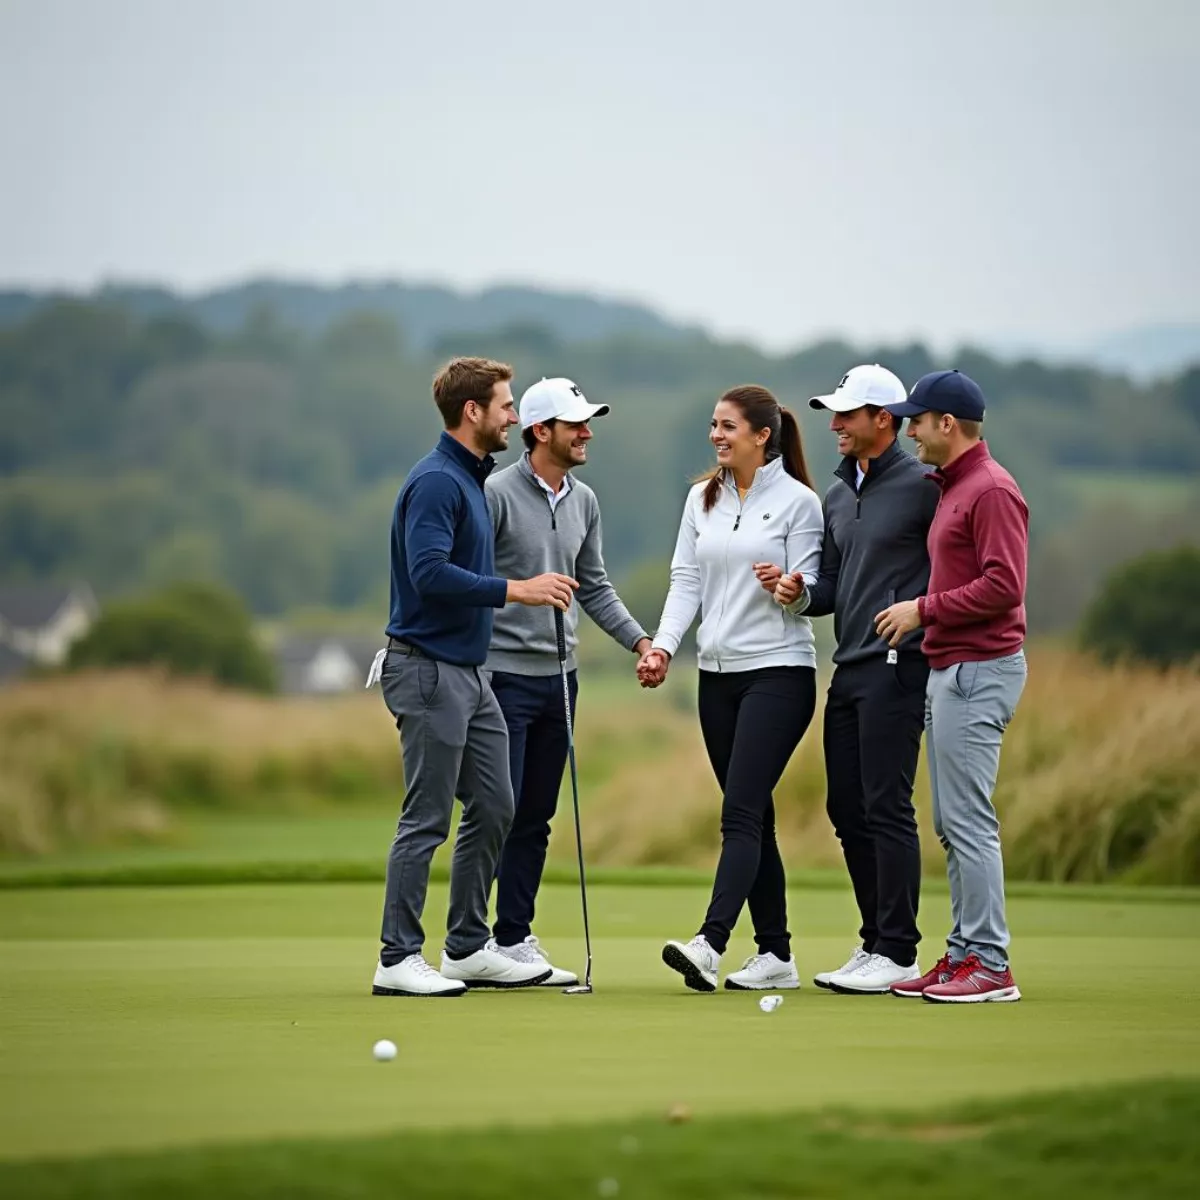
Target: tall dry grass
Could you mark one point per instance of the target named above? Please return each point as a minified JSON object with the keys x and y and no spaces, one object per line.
{"x":1100,"y":777}
{"x":102,"y":756}
{"x":1101,"y":773}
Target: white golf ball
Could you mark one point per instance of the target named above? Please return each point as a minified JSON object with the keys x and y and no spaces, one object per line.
{"x":770,"y":1003}
{"x":384,"y":1051}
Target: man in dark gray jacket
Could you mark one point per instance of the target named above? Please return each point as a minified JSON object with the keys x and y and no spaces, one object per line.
{"x":542,"y":514}
{"x":877,"y":517}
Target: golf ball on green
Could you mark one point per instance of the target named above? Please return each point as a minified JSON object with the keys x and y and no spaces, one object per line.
{"x":770,"y":1003}
{"x":384,"y":1051}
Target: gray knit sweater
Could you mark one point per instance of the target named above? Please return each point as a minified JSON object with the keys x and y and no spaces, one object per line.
{"x":530,"y":539}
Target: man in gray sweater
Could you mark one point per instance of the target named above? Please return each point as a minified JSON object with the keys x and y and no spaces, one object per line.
{"x":877,"y":517}
{"x":546,"y":519}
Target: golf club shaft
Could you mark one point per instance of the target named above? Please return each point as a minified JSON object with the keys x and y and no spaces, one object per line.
{"x":560,"y":633}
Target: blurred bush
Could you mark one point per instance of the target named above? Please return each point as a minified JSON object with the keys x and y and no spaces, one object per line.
{"x":187,"y":629}
{"x":1148,"y":610}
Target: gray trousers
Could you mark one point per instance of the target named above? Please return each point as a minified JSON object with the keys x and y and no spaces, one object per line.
{"x":967,"y":708}
{"x":455,"y":744}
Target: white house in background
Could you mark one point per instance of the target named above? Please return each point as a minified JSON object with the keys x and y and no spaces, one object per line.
{"x":39,"y":622}
{"x":316,"y":664}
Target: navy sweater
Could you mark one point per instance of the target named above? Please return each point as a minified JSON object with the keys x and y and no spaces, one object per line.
{"x":444,"y":585}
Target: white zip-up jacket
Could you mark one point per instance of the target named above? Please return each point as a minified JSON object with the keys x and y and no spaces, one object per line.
{"x":741,"y":627}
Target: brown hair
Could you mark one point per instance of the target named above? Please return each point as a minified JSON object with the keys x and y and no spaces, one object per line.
{"x":873,"y":410}
{"x":463,"y":379}
{"x":530,"y":438}
{"x":972,"y":430}
{"x":763,"y":411}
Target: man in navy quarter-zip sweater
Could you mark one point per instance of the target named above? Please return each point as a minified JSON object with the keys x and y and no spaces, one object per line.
{"x":544,"y":520}
{"x":877,"y":517}
{"x":454,"y":740}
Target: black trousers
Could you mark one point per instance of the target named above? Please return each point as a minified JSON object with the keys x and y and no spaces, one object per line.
{"x":537,"y":753}
{"x":874,"y":716}
{"x":752,"y":721}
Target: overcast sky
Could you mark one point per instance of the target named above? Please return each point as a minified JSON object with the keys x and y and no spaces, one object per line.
{"x":777,"y":169}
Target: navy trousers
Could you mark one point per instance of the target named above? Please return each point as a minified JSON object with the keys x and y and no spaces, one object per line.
{"x":537,"y":750}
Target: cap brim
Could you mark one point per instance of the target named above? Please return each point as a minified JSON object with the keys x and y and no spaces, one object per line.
{"x":835,"y":403}
{"x":906,"y":409}
{"x":583,"y":411}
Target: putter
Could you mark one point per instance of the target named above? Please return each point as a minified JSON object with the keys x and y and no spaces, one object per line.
{"x":584,"y":988}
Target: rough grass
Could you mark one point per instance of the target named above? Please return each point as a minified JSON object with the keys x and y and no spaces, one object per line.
{"x":99,"y":756}
{"x":1100,"y":778}
{"x":1133,"y":1140}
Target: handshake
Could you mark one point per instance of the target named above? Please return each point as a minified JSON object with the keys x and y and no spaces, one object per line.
{"x":653,"y":664}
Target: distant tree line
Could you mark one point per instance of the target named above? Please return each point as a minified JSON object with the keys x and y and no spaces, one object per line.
{"x":140,"y":450}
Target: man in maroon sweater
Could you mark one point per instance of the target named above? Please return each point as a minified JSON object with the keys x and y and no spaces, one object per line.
{"x":974,"y":621}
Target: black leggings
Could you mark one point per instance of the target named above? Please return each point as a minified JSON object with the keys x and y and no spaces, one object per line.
{"x":752,"y":722}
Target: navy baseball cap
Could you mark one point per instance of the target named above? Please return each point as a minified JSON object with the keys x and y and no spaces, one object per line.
{"x":949,"y":392}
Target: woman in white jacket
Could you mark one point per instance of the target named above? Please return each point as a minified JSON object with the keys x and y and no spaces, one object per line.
{"x":754,"y":517}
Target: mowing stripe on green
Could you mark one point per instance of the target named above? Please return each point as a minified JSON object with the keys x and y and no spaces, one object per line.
{"x":192,"y":874}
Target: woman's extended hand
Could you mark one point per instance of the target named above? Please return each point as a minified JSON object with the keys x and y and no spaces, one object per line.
{"x":768,"y":575}
{"x":652,"y":668}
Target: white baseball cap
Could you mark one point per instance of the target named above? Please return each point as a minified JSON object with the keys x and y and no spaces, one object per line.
{"x":556,"y":400}
{"x":871,"y":384}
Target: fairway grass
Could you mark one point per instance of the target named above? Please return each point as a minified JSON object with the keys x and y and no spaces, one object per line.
{"x":136,"y":1018}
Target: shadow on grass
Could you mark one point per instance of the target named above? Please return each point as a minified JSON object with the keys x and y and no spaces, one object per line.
{"x":1121,"y":1141}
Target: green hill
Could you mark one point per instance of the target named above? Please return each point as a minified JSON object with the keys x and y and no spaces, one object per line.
{"x":145,"y":439}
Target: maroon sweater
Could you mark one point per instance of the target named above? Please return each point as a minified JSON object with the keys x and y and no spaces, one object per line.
{"x":978,"y":548}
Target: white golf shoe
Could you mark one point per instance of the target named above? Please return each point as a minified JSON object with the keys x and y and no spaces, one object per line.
{"x":855,"y":960}
{"x":488,"y":968}
{"x":530,"y":951}
{"x":764,"y":973}
{"x":875,"y":976}
{"x":696,"y":961}
{"x":413,"y":976}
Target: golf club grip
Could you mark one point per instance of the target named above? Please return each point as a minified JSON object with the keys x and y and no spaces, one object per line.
{"x":561,"y":634}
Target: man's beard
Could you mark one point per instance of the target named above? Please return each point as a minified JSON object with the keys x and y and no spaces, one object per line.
{"x":496,"y":440}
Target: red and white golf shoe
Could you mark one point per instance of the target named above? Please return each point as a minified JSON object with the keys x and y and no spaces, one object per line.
{"x":973,"y":983}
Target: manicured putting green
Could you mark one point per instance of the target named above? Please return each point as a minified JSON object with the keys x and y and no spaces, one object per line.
{"x":144,"y":1017}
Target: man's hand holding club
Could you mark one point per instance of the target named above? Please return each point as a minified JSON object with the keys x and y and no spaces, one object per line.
{"x":550,"y":589}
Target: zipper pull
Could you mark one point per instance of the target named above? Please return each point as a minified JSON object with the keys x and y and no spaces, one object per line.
{"x":737,"y":522}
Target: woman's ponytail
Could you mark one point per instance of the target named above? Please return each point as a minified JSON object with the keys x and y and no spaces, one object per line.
{"x":791,"y":447}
